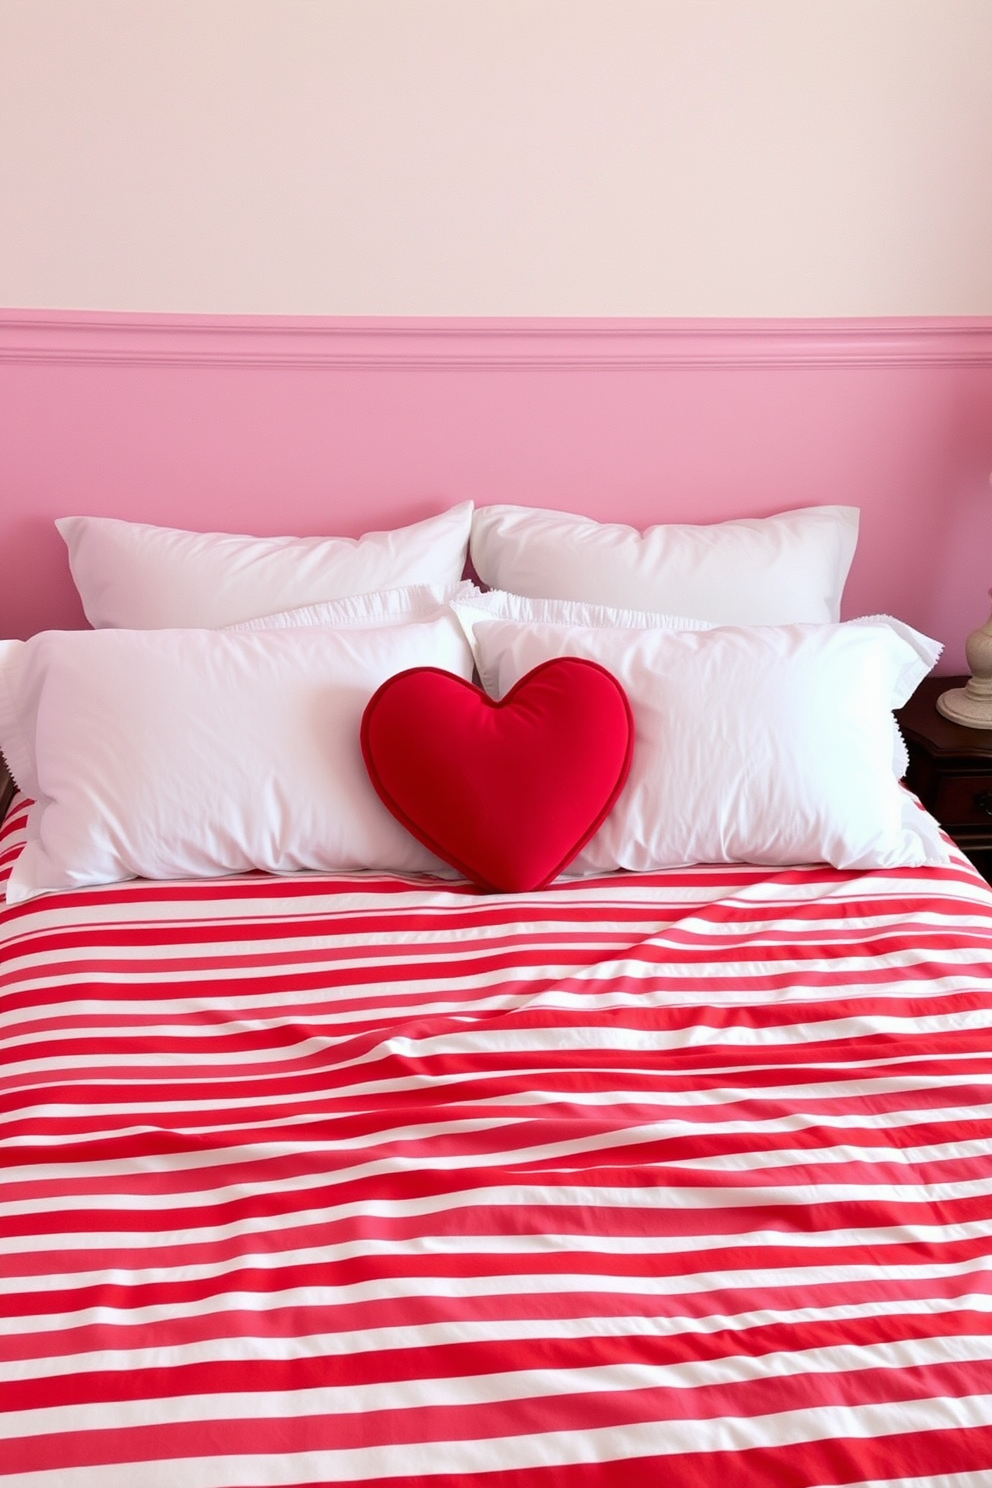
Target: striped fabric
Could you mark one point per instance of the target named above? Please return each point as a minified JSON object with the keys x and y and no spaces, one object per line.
{"x":681,"y":1179}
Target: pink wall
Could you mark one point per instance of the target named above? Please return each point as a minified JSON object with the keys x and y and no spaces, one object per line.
{"x":310,"y":425}
{"x":521,"y":157}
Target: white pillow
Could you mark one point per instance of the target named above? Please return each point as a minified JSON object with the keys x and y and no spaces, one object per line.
{"x":473,"y":605}
{"x":771,"y":745}
{"x":132,"y":575}
{"x":363,"y":611}
{"x":761,"y":571}
{"x":192,"y":753}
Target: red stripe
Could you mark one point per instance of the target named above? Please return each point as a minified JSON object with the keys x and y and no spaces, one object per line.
{"x":535,"y":1416}
{"x":843,"y":1460}
{"x":462,"y":1360}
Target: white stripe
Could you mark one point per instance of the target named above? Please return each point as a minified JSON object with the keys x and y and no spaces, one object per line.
{"x":82,"y":1244}
{"x":268,"y":1132}
{"x":680,"y":989}
{"x":389,"y":986}
{"x":243,"y":1345}
{"x":980,"y":1479}
{"x":784,"y":1157}
{"x":595,"y":1194}
{"x":606,"y":1037}
{"x":676,"y":947}
{"x":422,"y":1247}
{"x":408,"y":1460}
{"x":607,"y":1142}
{"x":333,"y":950}
{"x":666,"y":1127}
{"x":484,"y":1389}
{"x":566,"y":1283}
{"x":728,"y":1095}
{"x":252,"y":1157}
{"x":670,"y":924}
{"x":697,"y":1036}
{"x":788,"y":1121}
{"x":142,"y":1074}
{"x":329,"y":897}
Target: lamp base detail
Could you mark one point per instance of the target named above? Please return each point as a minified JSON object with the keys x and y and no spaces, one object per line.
{"x":962,"y":705}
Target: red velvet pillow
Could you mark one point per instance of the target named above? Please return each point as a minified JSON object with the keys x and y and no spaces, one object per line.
{"x":508,"y":792}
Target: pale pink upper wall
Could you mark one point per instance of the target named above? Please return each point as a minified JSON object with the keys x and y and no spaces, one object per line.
{"x":497,"y":157}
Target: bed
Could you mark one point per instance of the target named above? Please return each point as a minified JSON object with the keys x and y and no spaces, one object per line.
{"x":370,"y":1174}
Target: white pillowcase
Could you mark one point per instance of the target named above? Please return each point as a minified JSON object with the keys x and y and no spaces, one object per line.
{"x":761,"y":571}
{"x":363,"y":611}
{"x":772,"y":745}
{"x":473,"y":605}
{"x":193,"y":753}
{"x":132,"y":575}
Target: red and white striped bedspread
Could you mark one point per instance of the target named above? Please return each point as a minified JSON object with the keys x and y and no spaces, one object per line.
{"x":681,"y":1179}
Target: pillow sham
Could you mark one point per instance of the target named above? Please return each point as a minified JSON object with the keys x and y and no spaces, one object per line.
{"x":776,"y":570}
{"x":195,"y":753}
{"x":472,"y":605}
{"x":771,"y":745}
{"x":381,"y":607}
{"x":141,"y":577}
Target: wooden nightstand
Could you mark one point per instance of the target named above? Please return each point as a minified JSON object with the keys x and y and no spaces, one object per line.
{"x":950,"y":769}
{"x":7,"y":788}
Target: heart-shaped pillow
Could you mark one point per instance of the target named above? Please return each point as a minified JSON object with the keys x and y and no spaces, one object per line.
{"x":507,"y":792}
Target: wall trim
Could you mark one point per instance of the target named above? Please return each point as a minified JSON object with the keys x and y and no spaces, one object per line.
{"x":72,"y":337}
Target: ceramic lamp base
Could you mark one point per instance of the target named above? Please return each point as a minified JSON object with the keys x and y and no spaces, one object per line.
{"x":962,"y":705}
{"x":972,"y":704}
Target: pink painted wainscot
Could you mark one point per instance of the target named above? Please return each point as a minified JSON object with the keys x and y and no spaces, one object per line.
{"x":312,"y":425}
